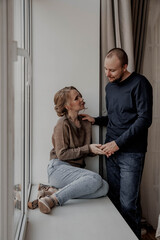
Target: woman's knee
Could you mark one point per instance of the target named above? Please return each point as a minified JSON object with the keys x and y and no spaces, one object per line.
{"x":96,"y":179}
{"x":105,"y":187}
{"x":101,"y":183}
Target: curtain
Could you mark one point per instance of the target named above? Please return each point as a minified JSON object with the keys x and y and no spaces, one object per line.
{"x":123,"y":24}
{"x":150,"y":188}
{"x":116,"y":28}
{"x":115,"y":31}
{"x":139,"y":18}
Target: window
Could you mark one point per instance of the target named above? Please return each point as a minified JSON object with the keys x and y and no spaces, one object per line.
{"x":15,"y":116}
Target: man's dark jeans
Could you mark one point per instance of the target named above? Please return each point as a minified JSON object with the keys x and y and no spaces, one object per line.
{"x":124,"y":172}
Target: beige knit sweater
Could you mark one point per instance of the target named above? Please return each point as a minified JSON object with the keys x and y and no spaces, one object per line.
{"x":71,"y":144}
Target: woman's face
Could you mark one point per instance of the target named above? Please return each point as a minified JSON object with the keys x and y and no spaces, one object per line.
{"x":75,"y":102}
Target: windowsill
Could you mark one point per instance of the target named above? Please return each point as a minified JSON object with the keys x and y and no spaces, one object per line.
{"x":78,"y":219}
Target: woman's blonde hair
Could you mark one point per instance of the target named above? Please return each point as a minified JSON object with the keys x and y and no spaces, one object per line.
{"x":61,"y":98}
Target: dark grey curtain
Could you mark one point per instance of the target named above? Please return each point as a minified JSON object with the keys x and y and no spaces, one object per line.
{"x":139,"y":10}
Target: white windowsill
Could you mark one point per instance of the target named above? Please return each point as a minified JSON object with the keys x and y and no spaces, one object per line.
{"x":78,"y":219}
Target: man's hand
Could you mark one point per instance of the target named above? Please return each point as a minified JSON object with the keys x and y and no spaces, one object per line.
{"x":109,"y":148}
{"x":95,"y":148}
{"x":88,"y":117}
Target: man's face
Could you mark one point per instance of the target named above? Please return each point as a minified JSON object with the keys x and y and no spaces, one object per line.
{"x":113,"y":69}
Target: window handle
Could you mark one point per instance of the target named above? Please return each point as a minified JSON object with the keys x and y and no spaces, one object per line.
{"x":24,"y":53}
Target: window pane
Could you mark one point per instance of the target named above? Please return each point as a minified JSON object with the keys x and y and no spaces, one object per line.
{"x":18,"y":76}
{"x":18,"y":140}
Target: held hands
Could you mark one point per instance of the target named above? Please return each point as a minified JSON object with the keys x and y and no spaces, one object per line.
{"x":95,"y":148}
{"x":88,"y":117}
{"x":106,"y":149}
{"x":109,"y":148}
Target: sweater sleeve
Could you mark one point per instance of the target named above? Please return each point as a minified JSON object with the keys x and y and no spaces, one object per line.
{"x":101,"y":121}
{"x":61,"y":142}
{"x":143,"y":99}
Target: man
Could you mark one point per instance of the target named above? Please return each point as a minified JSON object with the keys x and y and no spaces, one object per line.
{"x":129,"y":107}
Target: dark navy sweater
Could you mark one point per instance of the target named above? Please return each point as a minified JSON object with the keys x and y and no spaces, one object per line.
{"x":129,"y":107}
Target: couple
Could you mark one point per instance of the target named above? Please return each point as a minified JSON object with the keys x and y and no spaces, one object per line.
{"x":129,"y":107}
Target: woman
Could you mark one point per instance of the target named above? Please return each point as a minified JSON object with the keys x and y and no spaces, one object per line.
{"x":72,"y":143}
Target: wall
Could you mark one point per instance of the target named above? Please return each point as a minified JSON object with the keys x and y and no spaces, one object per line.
{"x":65,"y":52}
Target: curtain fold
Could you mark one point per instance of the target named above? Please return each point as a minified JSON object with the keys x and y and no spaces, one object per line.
{"x":150,"y":188}
{"x":116,"y":28}
{"x":115,"y":31}
{"x":140,"y":9}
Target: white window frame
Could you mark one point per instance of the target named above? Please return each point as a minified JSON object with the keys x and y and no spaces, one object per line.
{"x":3,"y":121}
{"x":7,"y":128}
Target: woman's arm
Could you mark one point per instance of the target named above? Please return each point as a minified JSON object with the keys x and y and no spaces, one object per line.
{"x":62,"y":144}
{"x":66,"y":148}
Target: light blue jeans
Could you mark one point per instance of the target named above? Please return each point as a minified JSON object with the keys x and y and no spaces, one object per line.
{"x":74,"y":182}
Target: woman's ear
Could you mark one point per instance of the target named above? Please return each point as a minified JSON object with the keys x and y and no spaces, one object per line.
{"x":66,"y":107}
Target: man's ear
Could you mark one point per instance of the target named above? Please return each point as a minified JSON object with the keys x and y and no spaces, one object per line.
{"x":125,"y":67}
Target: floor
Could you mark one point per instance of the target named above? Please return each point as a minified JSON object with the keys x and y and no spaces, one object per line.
{"x":94,"y":219}
{"x":150,"y":235}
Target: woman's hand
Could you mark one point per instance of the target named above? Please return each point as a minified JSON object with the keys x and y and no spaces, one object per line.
{"x":110,"y":148}
{"x":88,"y":118}
{"x":95,"y":148}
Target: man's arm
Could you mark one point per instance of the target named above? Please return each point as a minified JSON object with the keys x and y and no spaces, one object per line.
{"x":101,"y":121}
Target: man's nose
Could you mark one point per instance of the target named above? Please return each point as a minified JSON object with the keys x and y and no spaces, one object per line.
{"x":108,"y":73}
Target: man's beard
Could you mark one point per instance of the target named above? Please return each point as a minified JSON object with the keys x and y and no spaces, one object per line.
{"x":118,"y":80}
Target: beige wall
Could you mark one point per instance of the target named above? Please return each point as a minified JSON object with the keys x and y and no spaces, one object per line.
{"x":65,"y":52}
